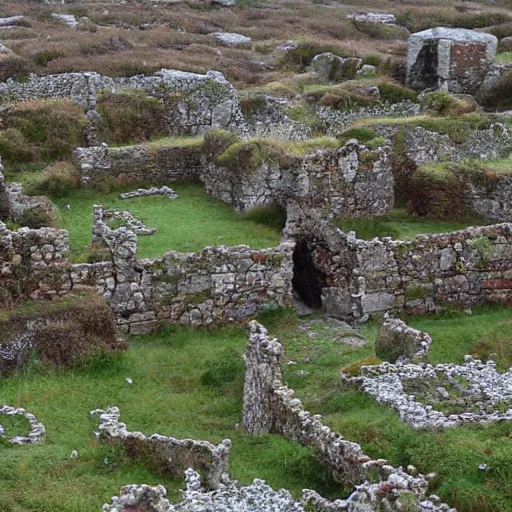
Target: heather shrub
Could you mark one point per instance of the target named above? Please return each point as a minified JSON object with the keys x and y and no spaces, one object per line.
{"x":15,"y":67}
{"x":58,"y":180}
{"x":54,"y":127}
{"x":130,"y":116}
{"x":14,"y":148}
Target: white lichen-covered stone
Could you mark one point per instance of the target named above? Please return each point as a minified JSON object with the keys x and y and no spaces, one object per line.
{"x":153,"y":191}
{"x":475,"y":391}
{"x":232,"y":39}
{"x":37,"y":430}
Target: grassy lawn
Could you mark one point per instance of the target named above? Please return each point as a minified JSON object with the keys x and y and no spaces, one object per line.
{"x":400,"y":225}
{"x":166,"y":396}
{"x":186,"y":224}
{"x":188,"y":383}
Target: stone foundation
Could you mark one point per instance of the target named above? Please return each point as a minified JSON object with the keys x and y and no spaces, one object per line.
{"x":271,"y":407}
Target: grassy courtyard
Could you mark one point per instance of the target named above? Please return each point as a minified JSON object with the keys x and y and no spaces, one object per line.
{"x":186,"y":224}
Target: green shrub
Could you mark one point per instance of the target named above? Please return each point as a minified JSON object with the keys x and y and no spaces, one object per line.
{"x":54,"y":127}
{"x":354,"y":369}
{"x":14,"y":148}
{"x":247,"y":156}
{"x":301,"y":56}
{"x":444,"y":104}
{"x":58,"y":180}
{"x":273,"y":216}
{"x":217,"y":140}
{"x":394,"y":93}
{"x":37,"y":217}
{"x":484,"y":248}
{"x":130,"y":116}
{"x":224,"y":370}
{"x":44,"y":57}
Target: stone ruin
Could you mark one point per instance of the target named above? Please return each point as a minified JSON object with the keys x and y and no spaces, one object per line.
{"x":440,"y":396}
{"x":397,"y":341}
{"x":351,"y":180}
{"x":37,"y":430}
{"x":456,"y":60}
{"x":14,"y":204}
{"x":175,"y":455}
{"x":269,"y":406}
{"x":352,"y":278}
{"x":193,"y":103}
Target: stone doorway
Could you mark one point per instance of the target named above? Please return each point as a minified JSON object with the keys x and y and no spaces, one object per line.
{"x":308,"y":281}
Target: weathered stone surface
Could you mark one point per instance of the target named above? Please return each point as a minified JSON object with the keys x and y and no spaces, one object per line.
{"x":454,"y":59}
{"x":397,"y":341}
{"x":479,"y":394}
{"x":419,"y":275}
{"x":176,"y":455}
{"x":232,"y":39}
{"x":270,"y":406}
{"x":68,"y":19}
{"x":334,"y":68}
{"x":193,"y":103}
{"x":153,"y":191}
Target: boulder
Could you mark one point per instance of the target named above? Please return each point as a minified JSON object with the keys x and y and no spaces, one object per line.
{"x":232,"y":39}
{"x":335,"y":68}
{"x":506,"y":44}
{"x":454,"y":59}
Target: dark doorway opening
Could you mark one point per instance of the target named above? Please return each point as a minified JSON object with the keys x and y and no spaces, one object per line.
{"x":307,"y":280}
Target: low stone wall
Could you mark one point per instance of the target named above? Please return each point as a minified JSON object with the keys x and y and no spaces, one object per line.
{"x":462,"y":268}
{"x":350,"y":180}
{"x":37,"y":430}
{"x":398,"y":341}
{"x":212,"y":286}
{"x":193,"y":102}
{"x":158,"y":163}
{"x":33,"y":263}
{"x":421,"y":145}
{"x":173,"y":455}
{"x":271,"y":407}
{"x":474,"y":391}
{"x":14,"y":203}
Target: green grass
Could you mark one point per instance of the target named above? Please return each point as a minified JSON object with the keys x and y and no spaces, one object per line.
{"x":186,"y":224}
{"x":188,"y":383}
{"x":166,"y":397}
{"x":400,"y":225}
{"x":453,"y":454}
{"x":504,"y":57}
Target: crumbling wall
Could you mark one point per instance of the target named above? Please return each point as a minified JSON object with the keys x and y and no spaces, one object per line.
{"x":270,"y":406}
{"x":462,"y":268}
{"x":147,"y":163}
{"x":193,"y":102}
{"x":14,"y":203}
{"x":215,"y":285}
{"x":452,"y":58}
{"x":33,"y":263}
{"x":172,"y":455}
{"x":350,"y":180}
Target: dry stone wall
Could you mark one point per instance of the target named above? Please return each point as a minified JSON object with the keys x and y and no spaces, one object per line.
{"x":33,"y":263}
{"x":271,"y":407}
{"x":175,"y":455}
{"x":215,"y":285}
{"x":193,"y":102}
{"x":351,"y":180}
{"x":139,"y":164}
{"x":454,"y":59}
{"x":462,"y":268}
